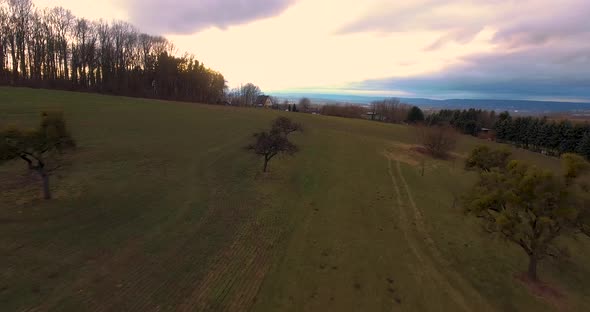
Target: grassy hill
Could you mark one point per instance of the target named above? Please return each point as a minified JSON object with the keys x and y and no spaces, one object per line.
{"x":162,"y":209}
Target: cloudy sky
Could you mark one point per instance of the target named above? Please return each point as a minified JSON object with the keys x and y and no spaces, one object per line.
{"x":521,"y":49}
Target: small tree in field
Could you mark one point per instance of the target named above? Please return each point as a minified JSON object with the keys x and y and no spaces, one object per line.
{"x":439,"y":141}
{"x":39,"y":148}
{"x":286,"y":126}
{"x":530,"y":207}
{"x":276,"y":141}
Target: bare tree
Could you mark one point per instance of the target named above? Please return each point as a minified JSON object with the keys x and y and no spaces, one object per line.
{"x":249,"y":93}
{"x":276,"y":141}
{"x":285,"y":126}
{"x":343,"y":110}
{"x":305,"y":105}
{"x":61,"y":21}
{"x":390,"y":110}
{"x":4,"y":29}
{"x":21,"y":11}
{"x":438,"y":141}
{"x":269,"y":145}
{"x":38,"y":147}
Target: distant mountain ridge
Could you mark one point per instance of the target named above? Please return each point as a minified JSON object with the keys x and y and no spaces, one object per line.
{"x":522,"y":106}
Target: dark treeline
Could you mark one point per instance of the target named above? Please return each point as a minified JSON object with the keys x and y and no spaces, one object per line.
{"x":543,"y":135}
{"x":470,"y":121}
{"x":537,"y":134}
{"x":54,"y":49}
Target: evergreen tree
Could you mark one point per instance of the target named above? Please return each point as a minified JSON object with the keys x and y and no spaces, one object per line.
{"x":567,"y":137}
{"x":583,"y":147}
{"x":415,"y":115}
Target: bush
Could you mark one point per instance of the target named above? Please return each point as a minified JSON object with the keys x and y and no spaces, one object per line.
{"x":482,"y":158}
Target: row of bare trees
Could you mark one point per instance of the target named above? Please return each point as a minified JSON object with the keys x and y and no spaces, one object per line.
{"x":387,"y":110}
{"x":343,"y":110}
{"x":245,"y":95}
{"x":390,"y":110}
{"x":52,"y":48}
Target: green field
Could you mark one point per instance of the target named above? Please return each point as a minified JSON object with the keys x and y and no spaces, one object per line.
{"x":162,"y":209}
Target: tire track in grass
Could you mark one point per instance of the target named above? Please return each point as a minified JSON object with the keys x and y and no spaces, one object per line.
{"x":437,"y":256}
{"x":428,"y":270}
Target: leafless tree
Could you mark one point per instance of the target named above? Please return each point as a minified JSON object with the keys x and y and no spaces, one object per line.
{"x":305,"y":105}
{"x":390,"y":110}
{"x":4,"y":32}
{"x":285,"y":126}
{"x":249,"y":93}
{"x":61,"y":21}
{"x":39,"y":148}
{"x":275,"y":142}
{"x":269,"y":145}
{"x":343,"y":110}
{"x":438,"y":141}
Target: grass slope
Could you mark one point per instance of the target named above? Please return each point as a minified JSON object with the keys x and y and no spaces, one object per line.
{"x":161,"y":209}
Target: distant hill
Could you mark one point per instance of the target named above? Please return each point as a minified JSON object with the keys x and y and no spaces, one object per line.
{"x":520,"y":106}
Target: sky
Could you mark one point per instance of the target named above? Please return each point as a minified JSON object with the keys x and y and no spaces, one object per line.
{"x":493,"y":49}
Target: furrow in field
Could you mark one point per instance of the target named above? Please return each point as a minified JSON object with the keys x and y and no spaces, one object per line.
{"x":215,"y":273}
{"x":427,"y":270}
{"x":245,"y":294}
{"x":437,"y":256}
{"x":232,"y":284}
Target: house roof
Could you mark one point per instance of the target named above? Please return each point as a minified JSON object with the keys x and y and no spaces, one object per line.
{"x":261,"y":99}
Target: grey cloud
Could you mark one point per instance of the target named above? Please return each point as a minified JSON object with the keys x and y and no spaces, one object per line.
{"x":518,"y":23}
{"x":461,"y":35}
{"x":189,"y":16}
{"x":555,"y":72}
{"x":555,"y":25}
{"x":410,"y":18}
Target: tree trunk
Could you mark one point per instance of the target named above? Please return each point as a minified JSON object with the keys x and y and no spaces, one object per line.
{"x":532,"y":273}
{"x":45,"y":182}
{"x":1,"y":58}
{"x":265,"y":164}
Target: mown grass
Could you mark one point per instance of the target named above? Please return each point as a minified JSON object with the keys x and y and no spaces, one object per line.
{"x":163,"y":209}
